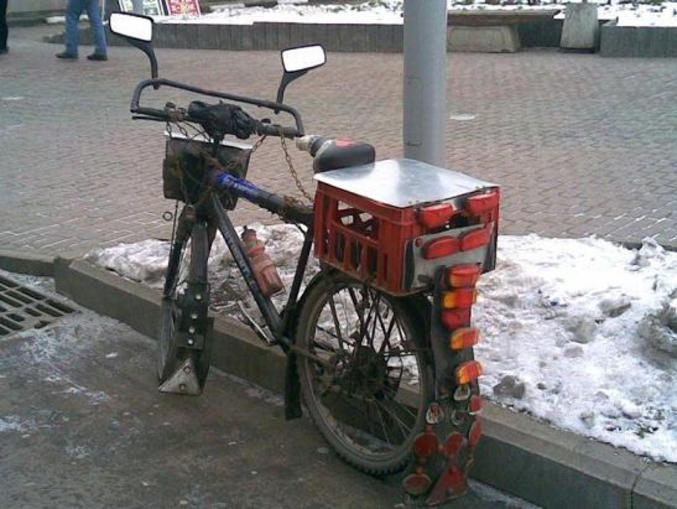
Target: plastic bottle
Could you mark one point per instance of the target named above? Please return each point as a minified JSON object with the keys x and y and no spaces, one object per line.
{"x":263,"y":267}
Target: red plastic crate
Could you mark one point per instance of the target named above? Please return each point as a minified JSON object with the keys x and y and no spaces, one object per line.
{"x":382,"y":244}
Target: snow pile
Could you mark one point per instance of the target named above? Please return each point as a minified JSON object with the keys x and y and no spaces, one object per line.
{"x":578,"y":332}
{"x":146,"y":261}
{"x":648,"y":13}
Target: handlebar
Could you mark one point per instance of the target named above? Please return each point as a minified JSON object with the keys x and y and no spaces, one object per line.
{"x":180,"y":115}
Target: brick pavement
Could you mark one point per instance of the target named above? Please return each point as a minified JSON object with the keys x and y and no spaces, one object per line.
{"x":581,"y":145}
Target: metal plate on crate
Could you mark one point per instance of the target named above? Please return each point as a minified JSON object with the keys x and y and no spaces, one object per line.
{"x":402,"y":182}
{"x":23,"y":308}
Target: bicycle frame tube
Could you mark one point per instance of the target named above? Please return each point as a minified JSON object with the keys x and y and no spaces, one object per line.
{"x":269,"y":201}
{"x":225,"y":226}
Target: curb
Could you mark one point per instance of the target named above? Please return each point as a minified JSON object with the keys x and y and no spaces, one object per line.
{"x":549,"y":467}
{"x":35,"y":264}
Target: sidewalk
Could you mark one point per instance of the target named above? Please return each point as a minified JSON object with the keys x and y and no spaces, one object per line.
{"x":83,"y":425}
{"x":580,"y":145}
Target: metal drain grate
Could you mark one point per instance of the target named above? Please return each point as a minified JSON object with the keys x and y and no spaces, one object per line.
{"x":23,"y":308}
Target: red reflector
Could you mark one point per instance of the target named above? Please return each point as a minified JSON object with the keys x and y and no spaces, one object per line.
{"x":468,"y":371}
{"x":463,"y":275}
{"x":475,"y":433}
{"x":426,"y":444}
{"x":455,"y":318}
{"x":481,"y":203}
{"x":453,"y":445}
{"x":435,"y":216}
{"x":459,"y":298}
{"x":464,"y":338}
{"x":476,"y":238}
{"x":416,"y":484}
{"x":475,"y":405}
{"x":443,"y":246}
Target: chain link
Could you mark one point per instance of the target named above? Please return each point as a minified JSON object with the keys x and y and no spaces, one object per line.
{"x":292,"y":170}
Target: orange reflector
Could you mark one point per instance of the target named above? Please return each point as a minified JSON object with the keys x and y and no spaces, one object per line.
{"x":476,"y":238}
{"x":481,"y":203}
{"x":475,"y":405}
{"x":475,"y":433}
{"x":463,"y":275}
{"x":454,"y":318}
{"x":435,"y":216}
{"x":464,"y":338}
{"x":468,"y":371}
{"x":443,"y":246}
{"x":459,"y":298}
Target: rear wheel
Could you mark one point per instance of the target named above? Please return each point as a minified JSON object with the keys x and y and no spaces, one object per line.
{"x":184,"y":305}
{"x":370,"y":405}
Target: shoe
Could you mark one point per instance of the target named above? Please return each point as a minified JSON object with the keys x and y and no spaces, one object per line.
{"x":67,"y":56}
{"x":4,"y":51}
{"x":98,"y":57}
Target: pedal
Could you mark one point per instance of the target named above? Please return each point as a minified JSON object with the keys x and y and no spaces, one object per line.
{"x":183,"y":380}
{"x":249,"y":320}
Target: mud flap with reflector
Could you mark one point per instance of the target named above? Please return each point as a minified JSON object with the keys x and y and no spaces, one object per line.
{"x":183,"y":381}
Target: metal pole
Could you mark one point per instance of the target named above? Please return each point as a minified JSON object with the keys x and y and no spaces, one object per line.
{"x":425,"y":80}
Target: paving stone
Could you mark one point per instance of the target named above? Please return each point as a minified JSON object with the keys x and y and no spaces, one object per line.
{"x":578,"y":143}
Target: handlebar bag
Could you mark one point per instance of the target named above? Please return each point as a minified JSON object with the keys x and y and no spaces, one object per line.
{"x":186,"y":163}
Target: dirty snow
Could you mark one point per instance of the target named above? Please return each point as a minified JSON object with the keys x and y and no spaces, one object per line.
{"x":390,"y":12}
{"x":585,"y":328}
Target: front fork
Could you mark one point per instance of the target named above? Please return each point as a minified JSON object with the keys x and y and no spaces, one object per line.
{"x":443,"y":452}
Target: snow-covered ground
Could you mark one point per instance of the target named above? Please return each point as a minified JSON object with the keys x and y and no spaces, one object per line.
{"x":390,"y":12}
{"x":580,"y":333}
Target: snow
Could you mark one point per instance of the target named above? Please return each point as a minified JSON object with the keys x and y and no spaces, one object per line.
{"x":586,"y":326}
{"x":390,"y":12}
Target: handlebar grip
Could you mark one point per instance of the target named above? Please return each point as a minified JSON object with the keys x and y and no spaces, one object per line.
{"x":276,"y":130}
{"x":151,"y":112}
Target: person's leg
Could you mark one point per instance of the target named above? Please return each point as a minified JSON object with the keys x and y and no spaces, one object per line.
{"x":73,"y":11}
{"x":3,"y":26}
{"x":94,"y":14}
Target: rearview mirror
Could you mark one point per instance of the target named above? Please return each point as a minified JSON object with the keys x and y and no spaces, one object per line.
{"x":138,"y":30}
{"x":132,"y":26}
{"x":303,"y":58}
{"x":298,"y":61}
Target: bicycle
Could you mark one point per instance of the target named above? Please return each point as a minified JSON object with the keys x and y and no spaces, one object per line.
{"x":379,"y":343}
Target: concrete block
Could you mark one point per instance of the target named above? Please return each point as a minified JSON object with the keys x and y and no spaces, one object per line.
{"x":397,"y":40}
{"x":295,"y":34}
{"x":284,"y":35}
{"x":108,"y":294}
{"x":224,"y":37}
{"x":552,"y":468}
{"x":191,"y":34}
{"x":258,"y":35}
{"x":354,"y":38}
{"x":671,"y":42}
{"x":332,"y":38}
{"x":271,"y":33}
{"x":483,"y":39}
{"x":656,"y":488}
{"x":208,"y":36}
{"x":167,"y":33}
{"x":35,"y":264}
{"x":581,"y":28}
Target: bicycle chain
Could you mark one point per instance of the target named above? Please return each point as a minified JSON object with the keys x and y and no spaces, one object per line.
{"x":292,"y":170}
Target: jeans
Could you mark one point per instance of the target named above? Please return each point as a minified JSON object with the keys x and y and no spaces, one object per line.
{"x":73,"y":11}
{"x":3,"y":24}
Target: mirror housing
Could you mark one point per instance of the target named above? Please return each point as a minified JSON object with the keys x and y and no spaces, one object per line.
{"x":297,"y":61}
{"x":137,"y":30}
